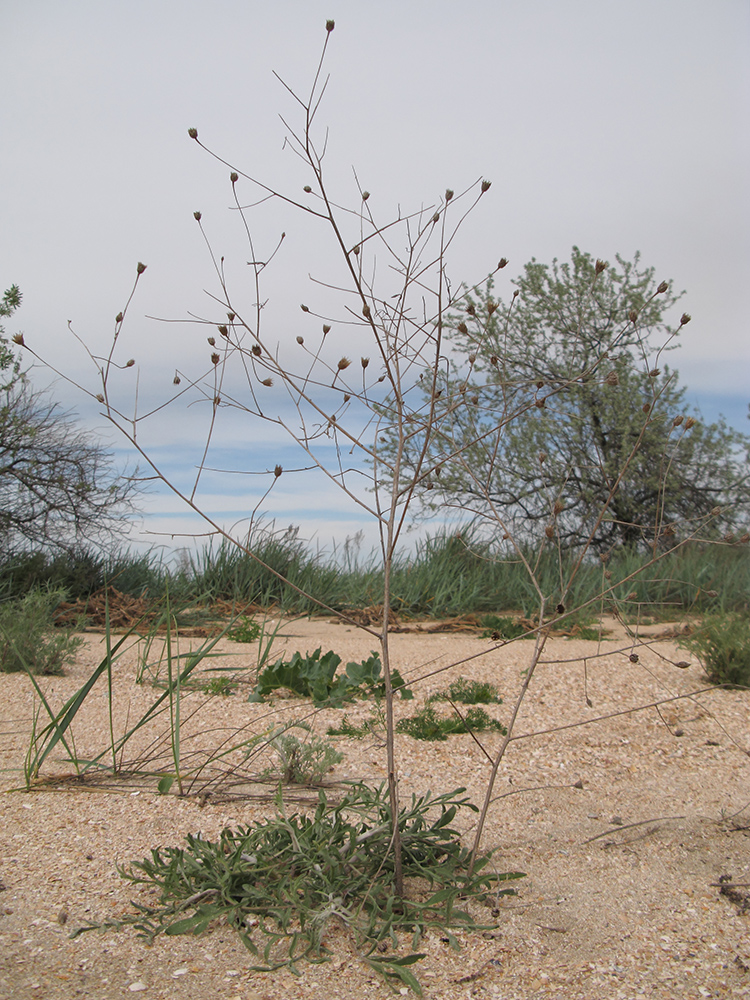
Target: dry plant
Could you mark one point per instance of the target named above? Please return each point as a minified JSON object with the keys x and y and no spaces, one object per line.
{"x":393,"y":399}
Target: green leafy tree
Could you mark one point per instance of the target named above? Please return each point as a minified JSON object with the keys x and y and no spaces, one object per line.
{"x":58,"y":485}
{"x":558,"y":414}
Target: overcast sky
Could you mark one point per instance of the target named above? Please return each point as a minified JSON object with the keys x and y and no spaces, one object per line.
{"x":616,"y":126}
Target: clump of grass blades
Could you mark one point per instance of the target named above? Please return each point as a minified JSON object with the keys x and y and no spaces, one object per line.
{"x":281,"y":882}
{"x":723,"y":644}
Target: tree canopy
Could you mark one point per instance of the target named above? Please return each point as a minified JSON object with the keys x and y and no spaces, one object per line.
{"x":58,"y":485}
{"x":557,"y":413}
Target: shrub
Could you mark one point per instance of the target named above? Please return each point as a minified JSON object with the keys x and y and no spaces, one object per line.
{"x":428,"y":725}
{"x":28,"y":639}
{"x":300,"y":761}
{"x":723,"y":644}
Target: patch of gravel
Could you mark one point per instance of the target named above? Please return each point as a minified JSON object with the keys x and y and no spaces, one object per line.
{"x":624,"y":827}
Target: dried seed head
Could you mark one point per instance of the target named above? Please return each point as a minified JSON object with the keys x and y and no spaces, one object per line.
{"x":472,"y":358}
{"x":436,"y":217}
{"x":662,"y":288}
{"x":366,"y":311}
{"x":493,"y":360}
{"x":118,"y":318}
{"x":491,"y":306}
{"x":744,"y":539}
{"x":18,"y":339}
{"x":99,"y":397}
{"x":256,"y":350}
{"x":224,"y":331}
{"x":685,"y":318}
{"x":612,"y":378}
{"x":382,"y":378}
{"x":307,"y":189}
{"x":471,"y":310}
{"x":690,"y":422}
{"x":215,"y":358}
{"x":330,"y":25}
{"x":343,"y":363}
{"x":601,"y":265}
{"x":428,"y":485}
{"x":462,"y":327}
{"x":130,"y":363}
{"x":711,"y":593}
{"x":542,"y":457}
{"x":655,"y":373}
{"x":631,"y":596}
{"x":326,"y":329}
{"x":516,"y":294}
{"x":305,"y":309}
{"x":503,"y":262}
{"x":140,"y":268}
{"x":212,"y":341}
{"x":234,"y":177}
{"x":277,"y":471}
{"x":633,"y":658}
{"x":715,"y":511}
{"x":364,"y":362}
{"x":347,"y":397}
{"x":729,"y":537}
{"x":682,"y":664}
{"x":633,"y":316}
{"x":176,"y":380}
{"x":560,"y":609}
{"x":646,"y":408}
{"x":607,"y":575}
{"x":266,"y":381}
{"x":558,"y":507}
{"x":197,"y":216}
{"x":677,"y":420}
{"x":193,"y":133}
{"x":230,"y":317}
{"x":549,"y":531}
{"x":355,"y":250}
{"x":448,"y":194}
{"x":475,"y":400}
{"x":300,"y":340}
{"x":365,"y":195}
{"x":486,"y":185}
{"x":539,"y":403}
{"x":540,"y":385}
{"x":217,"y":400}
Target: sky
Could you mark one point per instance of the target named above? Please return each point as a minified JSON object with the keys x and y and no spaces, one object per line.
{"x":618,"y":127}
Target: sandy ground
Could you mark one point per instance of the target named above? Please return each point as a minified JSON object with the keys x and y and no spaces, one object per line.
{"x":623,"y":826}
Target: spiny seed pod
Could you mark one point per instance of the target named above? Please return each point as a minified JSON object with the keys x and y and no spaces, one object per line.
{"x":471,"y":310}
{"x":448,"y":194}
{"x":355,"y":250}
{"x":365,"y":195}
{"x":491,"y":307}
{"x":486,"y":185}
{"x":326,"y":329}
{"x":662,"y":288}
{"x":99,"y":397}
{"x":364,"y":362}
{"x":212,"y":341}
{"x":633,"y":316}
{"x":549,"y":531}
{"x":277,"y":471}
{"x":130,"y":363}
{"x":266,"y":381}
{"x":462,"y":327}
{"x":234,"y":177}
{"x":330,"y":25}
{"x":558,"y":507}
{"x":18,"y":339}
{"x":503,"y":262}
{"x":193,"y":133}
{"x":654,"y":373}
{"x":230,"y":317}
{"x":612,"y":378}
{"x":300,"y":340}
{"x":436,"y":217}
{"x":197,"y":216}
{"x":366,"y":311}
{"x":118,"y":318}
{"x":343,"y":363}
{"x":677,"y":420}
{"x":600,"y":266}
{"x":685,"y":318}
{"x":176,"y":380}
{"x":305,"y":309}
{"x":215,"y":358}
{"x":224,"y":331}
{"x":690,"y":422}
{"x":140,"y":268}
{"x":256,"y":350}
{"x":307,"y":189}
{"x":633,"y":658}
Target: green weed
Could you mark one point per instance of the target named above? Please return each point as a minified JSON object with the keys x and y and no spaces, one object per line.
{"x":467,"y":692}
{"x":28,"y":638}
{"x":723,"y":644}
{"x":428,"y":725}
